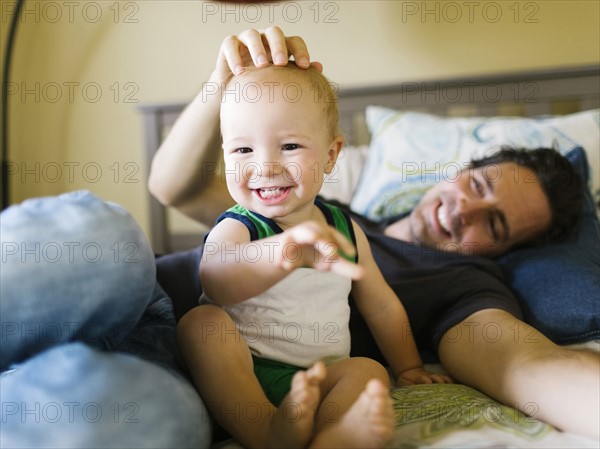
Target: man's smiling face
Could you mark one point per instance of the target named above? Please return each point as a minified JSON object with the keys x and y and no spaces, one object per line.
{"x":485,"y":211}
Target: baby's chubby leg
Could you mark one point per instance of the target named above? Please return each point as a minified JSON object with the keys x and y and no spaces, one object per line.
{"x":220,"y":364}
{"x":293,"y":423}
{"x":222,"y":369}
{"x":356,"y":411}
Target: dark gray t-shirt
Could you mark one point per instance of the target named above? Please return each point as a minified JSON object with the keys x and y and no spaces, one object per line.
{"x":438,"y":289}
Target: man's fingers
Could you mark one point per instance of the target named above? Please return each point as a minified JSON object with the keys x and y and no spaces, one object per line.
{"x":297,"y":48}
{"x":283,"y":47}
{"x":243,"y":50}
{"x":277,"y":43}
{"x":317,"y":65}
{"x":252,"y":39}
{"x":230,"y":51}
{"x":261,"y":47}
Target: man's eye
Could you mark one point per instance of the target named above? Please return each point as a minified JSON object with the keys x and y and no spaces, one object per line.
{"x":493,"y":229}
{"x":290,"y":146}
{"x":244,"y":150}
{"x":477,"y":186}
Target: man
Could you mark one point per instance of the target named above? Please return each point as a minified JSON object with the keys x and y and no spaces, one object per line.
{"x":471,"y":217}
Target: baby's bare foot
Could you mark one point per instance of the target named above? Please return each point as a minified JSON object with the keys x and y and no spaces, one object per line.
{"x":368,"y":424}
{"x":293,"y":422}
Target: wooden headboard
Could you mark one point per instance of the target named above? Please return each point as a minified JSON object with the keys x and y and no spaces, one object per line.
{"x":534,"y":93}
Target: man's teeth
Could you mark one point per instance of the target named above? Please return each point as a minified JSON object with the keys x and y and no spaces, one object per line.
{"x":443,"y":219}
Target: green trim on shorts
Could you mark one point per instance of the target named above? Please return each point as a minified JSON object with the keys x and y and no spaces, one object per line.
{"x":275,"y":378}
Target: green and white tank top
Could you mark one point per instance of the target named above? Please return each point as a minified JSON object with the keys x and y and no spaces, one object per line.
{"x":304,"y":317}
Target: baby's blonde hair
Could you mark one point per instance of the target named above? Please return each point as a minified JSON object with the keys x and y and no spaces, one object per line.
{"x":311,"y":81}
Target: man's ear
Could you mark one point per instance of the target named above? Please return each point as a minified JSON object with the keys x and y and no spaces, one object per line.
{"x":334,"y":151}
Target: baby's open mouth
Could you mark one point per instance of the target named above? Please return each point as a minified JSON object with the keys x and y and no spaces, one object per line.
{"x":272,"y":192}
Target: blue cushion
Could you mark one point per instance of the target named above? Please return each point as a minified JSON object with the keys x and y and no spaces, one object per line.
{"x":559,"y":285}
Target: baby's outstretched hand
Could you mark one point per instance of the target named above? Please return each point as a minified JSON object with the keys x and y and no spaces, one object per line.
{"x":421,"y":376}
{"x":317,"y":246}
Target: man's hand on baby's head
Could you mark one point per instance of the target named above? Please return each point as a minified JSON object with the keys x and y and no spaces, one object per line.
{"x":318,"y":246}
{"x":259,"y":48}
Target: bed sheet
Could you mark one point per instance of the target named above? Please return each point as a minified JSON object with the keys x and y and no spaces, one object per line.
{"x":457,"y":416}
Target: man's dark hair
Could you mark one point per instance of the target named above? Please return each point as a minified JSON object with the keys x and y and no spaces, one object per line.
{"x":559,"y":181}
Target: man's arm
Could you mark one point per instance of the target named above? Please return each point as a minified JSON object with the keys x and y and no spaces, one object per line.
{"x":186,"y":170}
{"x":523,"y":369}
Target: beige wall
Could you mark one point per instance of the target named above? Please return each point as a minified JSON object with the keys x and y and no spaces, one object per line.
{"x":81,"y":68}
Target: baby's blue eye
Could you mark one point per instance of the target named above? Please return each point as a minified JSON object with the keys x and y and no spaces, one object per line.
{"x":290,"y":146}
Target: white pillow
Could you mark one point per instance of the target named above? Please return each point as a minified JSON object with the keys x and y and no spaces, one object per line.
{"x":409,"y":152}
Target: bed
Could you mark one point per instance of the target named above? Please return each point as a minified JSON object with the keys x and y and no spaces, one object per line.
{"x":404,"y":137}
